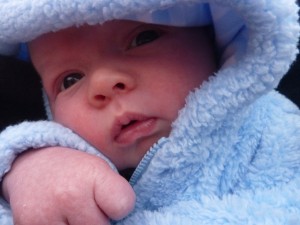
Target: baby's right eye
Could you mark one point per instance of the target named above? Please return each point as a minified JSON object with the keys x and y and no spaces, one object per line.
{"x":70,"y":80}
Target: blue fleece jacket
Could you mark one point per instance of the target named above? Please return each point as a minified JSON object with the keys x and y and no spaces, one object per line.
{"x":233,"y":155}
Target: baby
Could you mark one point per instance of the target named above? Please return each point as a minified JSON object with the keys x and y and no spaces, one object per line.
{"x":106,"y":88}
{"x":146,"y":96}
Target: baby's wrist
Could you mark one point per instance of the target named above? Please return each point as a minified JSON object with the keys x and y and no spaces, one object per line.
{"x":4,"y":190}
{"x":9,"y":178}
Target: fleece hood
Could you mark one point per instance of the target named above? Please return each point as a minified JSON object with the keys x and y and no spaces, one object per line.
{"x":233,"y":154}
{"x":256,"y":39}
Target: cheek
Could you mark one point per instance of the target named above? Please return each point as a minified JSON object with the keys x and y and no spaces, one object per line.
{"x":87,"y":127}
{"x":70,"y":113}
{"x":64,"y":114}
{"x":181,"y":76}
{"x":195,"y":68}
{"x":83,"y":121}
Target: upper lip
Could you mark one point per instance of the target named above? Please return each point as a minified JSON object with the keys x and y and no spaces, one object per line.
{"x":124,"y":120}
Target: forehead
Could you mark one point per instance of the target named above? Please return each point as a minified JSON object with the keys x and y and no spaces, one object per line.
{"x":74,"y":34}
{"x":55,"y":44}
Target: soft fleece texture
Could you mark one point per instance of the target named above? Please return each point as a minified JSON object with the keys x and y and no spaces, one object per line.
{"x":233,"y":156}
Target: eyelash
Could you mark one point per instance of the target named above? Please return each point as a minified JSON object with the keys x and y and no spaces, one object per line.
{"x":148,"y":35}
{"x":76,"y":76}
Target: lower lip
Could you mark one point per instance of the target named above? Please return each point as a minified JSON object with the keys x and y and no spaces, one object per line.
{"x":136,"y":131}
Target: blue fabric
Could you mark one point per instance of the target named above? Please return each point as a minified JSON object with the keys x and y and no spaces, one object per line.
{"x":241,"y":173}
{"x":43,"y":17}
{"x":233,"y":156}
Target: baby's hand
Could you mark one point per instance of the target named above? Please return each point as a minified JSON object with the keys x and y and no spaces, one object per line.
{"x":62,"y":186}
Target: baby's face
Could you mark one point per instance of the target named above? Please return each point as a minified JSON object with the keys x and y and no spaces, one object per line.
{"x":120,"y":85}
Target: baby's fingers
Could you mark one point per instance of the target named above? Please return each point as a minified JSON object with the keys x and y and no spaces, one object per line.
{"x":114,"y":195}
{"x":92,"y":216}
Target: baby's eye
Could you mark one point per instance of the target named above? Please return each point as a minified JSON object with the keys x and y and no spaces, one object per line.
{"x":70,"y":79}
{"x":145,"y":37}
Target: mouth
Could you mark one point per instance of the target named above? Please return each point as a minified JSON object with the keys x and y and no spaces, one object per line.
{"x":132,"y":122}
{"x":131,"y":127}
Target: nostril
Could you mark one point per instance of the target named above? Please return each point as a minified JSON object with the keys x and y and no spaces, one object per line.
{"x":100,"y":97}
{"x":120,"y":86}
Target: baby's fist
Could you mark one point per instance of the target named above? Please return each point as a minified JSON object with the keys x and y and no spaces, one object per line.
{"x":62,"y":186}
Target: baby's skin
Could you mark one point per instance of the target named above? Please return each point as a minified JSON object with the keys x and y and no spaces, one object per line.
{"x":86,"y":190}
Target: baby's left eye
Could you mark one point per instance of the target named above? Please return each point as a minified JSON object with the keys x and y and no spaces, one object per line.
{"x":145,"y":37}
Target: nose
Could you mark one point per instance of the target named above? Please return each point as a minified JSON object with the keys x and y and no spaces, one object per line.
{"x":106,"y":85}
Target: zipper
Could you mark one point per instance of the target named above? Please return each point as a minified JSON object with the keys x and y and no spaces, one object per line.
{"x":145,"y":162}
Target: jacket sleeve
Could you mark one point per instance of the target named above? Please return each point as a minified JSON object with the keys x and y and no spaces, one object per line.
{"x":34,"y":135}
